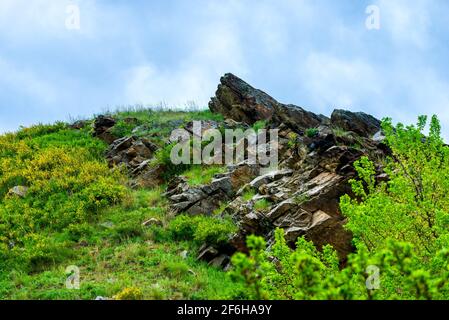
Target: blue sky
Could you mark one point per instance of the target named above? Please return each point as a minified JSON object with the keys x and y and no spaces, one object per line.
{"x":314,"y":53}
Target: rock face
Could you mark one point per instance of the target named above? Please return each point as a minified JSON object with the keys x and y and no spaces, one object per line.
{"x":103,"y":128}
{"x":237,"y":100}
{"x":205,"y":199}
{"x":361,"y":123}
{"x":130,"y":151}
{"x":303,"y":196}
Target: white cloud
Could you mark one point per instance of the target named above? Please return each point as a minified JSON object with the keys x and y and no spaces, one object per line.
{"x":217,"y":51}
{"x":407,"y":22}
{"x":332,"y":82}
{"x":26,"y":83}
{"x":37,"y":19}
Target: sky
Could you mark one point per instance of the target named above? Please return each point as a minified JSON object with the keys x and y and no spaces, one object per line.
{"x":318,"y":54}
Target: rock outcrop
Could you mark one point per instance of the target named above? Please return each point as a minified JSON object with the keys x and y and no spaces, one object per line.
{"x":237,"y":100}
{"x":303,"y":195}
{"x":316,"y":157}
{"x":130,"y":151}
{"x":360,"y":123}
{"x":103,"y":128}
{"x":205,"y":199}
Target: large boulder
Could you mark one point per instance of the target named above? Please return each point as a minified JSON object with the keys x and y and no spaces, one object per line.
{"x":237,"y":100}
{"x":361,"y":123}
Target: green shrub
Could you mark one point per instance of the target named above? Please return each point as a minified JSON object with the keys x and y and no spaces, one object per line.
{"x":202,"y":229}
{"x":67,"y":185}
{"x":312,"y":132}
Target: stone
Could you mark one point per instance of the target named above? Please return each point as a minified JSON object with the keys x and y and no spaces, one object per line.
{"x":282,"y":209}
{"x":207,"y":253}
{"x":270,"y":177}
{"x":78,"y":125}
{"x":220,"y":262}
{"x":237,"y":100}
{"x":361,"y":123}
{"x":103,"y":128}
{"x":152,"y":222}
{"x":130,"y":151}
{"x":19,"y":191}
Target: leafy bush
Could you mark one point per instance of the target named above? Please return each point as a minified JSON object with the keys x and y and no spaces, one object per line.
{"x":400,"y":228}
{"x":259,"y":125}
{"x":129,"y":294}
{"x":306,"y":273}
{"x":412,"y":205}
{"x":312,"y":132}
{"x":201,"y":229}
{"x":67,"y":185}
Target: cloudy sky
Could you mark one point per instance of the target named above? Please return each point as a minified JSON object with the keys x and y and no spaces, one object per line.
{"x":314,"y":53}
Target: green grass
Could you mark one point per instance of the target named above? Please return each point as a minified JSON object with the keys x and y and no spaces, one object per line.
{"x":156,"y":123}
{"x":262,"y":205}
{"x":200,"y":175}
{"x":77,"y":214}
{"x":340,"y":133}
{"x":248,"y":195}
{"x":312,"y":132}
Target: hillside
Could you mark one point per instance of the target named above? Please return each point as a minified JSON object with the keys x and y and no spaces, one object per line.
{"x":351,"y":208}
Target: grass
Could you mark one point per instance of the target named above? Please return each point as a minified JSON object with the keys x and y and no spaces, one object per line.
{"x":248,"y":195}
{"x":340,"y":133}
{"x":156,"y":123}
{"x":200,"y":175}
{"x":262,"y":205}
{"x":312,"y":132}
{"x":98,"y":227}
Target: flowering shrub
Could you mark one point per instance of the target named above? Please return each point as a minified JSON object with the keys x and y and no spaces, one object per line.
{"x":66,"y":185}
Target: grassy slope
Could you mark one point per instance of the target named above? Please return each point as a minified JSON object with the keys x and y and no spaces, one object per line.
{"x":108,"y":243}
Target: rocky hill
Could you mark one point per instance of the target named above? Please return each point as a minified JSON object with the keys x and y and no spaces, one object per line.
{"x":302,"y":197}
{"x":345,"y":205}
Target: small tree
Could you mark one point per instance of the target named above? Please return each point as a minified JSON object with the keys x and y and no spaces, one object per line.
{"x":413,"y":205}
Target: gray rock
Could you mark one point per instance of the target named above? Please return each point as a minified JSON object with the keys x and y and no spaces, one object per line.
{"x":361,"y":123}
{"x":270,"y":177}
{"x":19,"y":191}
{"x":152,"y":222}
{"x":237,"y":100}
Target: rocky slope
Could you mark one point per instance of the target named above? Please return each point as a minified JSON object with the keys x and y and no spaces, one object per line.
{"x":316,"y":156}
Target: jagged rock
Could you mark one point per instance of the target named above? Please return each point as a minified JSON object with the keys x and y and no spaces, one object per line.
{"x":361,"y":123}
{"x":78,"y":125}
{"x":147,"y":176}
{"x":242,"y":174}
{"x":207,"y":253}
{"x":206,"y":199}
{"x":379,"y":136}
{"x":205,"y":125}
{"x":281,"y":209}
{"x":323,"y":192}
{"x":103,"y":128}
{"x":130,"y":151}
{"x":237,"y":100}
{"x":220,"y":262}
{"x":269,"y":177}
{"x":19,"y":191}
